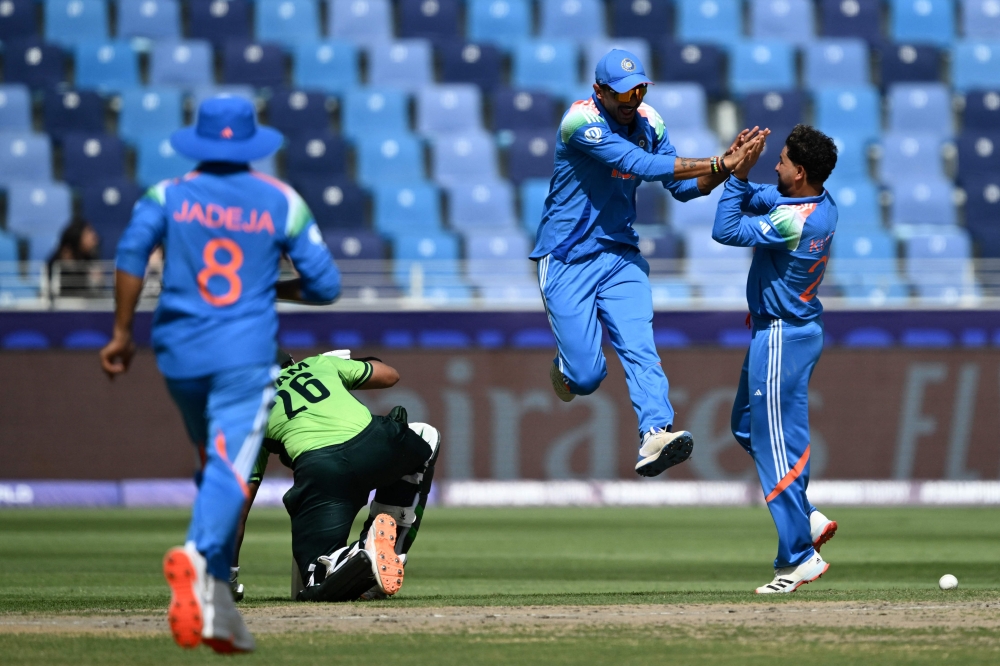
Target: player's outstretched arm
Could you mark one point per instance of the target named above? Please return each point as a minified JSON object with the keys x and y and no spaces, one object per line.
{"x":116,"y":356}
{"x":383,"y":376}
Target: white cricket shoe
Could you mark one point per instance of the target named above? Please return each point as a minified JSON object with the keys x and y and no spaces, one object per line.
{"x":224,"y":630}
{"x":559,"y":384}
{"x":789,"y":579}
{"x":821,"y":528}
{"x":662,"y":449}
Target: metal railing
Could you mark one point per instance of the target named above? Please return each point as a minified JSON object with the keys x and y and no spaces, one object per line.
{"x":683,"y":284}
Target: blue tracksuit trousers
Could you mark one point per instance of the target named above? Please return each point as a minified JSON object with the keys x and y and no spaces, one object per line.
{"x":225,"y":414}
{"x":609,"y":287}
{"x":771,"y":421}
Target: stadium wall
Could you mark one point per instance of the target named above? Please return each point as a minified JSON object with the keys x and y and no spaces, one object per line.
{"x":887,"y":413}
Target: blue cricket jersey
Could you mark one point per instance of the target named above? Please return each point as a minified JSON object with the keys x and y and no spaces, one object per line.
{"x":791,"y":240}
{"x":223,"y":235}
{"x":598,"y":166}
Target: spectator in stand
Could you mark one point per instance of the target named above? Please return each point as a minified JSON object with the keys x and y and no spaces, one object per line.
{"x":77,"y":254}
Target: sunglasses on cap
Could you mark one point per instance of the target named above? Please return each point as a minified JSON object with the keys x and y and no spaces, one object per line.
{"x":638,"y":92}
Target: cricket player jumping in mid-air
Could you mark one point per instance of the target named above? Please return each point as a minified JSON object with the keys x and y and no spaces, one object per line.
{"x":589,"y":266}
{"x":223,"y":228}
{"x":790,"y":228}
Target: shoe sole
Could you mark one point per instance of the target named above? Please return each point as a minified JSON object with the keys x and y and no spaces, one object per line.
{"x":828,"y":533}
{"x":674,"y":453}
{"x":559,"y":386}
{"x":386,"y":564}
{"x":222,"y":646}
{"x":185,"y":613}
{"x":826,"y":565}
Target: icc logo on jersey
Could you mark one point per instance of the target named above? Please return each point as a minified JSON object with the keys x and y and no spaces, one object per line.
{"x":628,"y":65}
{"x":592,"y":134}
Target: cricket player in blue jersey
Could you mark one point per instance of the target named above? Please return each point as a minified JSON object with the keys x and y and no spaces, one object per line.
{"x":790,"y":228}
{"x":223,"y":228}
{"x":590,"y":270}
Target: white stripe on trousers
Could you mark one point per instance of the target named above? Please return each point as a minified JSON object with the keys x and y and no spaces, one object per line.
{"x":774,"y":423}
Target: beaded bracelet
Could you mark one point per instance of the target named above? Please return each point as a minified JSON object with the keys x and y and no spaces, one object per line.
{"x":715,"y":164}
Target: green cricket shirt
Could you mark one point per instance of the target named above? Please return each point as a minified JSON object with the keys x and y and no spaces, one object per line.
{"x":313,"y":408}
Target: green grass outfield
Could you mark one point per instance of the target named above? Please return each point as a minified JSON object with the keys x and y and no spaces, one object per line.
{"x":108,"y":562}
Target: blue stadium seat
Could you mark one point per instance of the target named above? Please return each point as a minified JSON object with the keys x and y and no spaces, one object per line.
{"x":938,"y":264}
{"x":17,"y":20}
{"x":34,"y":64}
{"x":909,"y":63}
{"x":531,"y":155}
{"x":982,"y":208}
{"x":682,"y":106}
{"x":15,"y":108}
{"x":464,"y":158}
{"x":772,"y":109}
{"x":463,"y":62}
{"x":218,"y":21}
{"x":150,"y":19}
{"x":91,"y":158}
{"x":374,"y":112}
{"x":710,"y":21}
{"x":785,"y":20}
{"x":24,"y":156}
{"x":336,"y":202}
{"x":849,"y":111}
{"x":72,"y":22}
{"x":695,"y":214}
{"x":497,"y":260}
{"x":718,"y":270}
{"x":361,"y":21}
{"x":647,"y":19}
{"x":255,"y":64}
{"x":295,"y":112}
{"x":38,"y":212}
{"x":500,"y":22}
{"x":437,"y":252}
{"x":852,"y":156}
{"x":920,"y":107}
{"x":481,"y":205}
{"x":980,"y":19}
{"x":547,"y":65}
{"x":857,"y":203}
{"x":761,"y":66}
{"x":450,"y":108}
{"x":571,"y":19}
{"x":354,"y":244}
{"x":975,"y":65}
{"x":185,"y":64}
{"x":978,"y":153}
{"x":533,"y":194}
{"x":664,"y":244}
{"x":696,"y":63}
{"x":330,"y":66}
{"x":156,"y":160}
{"x":982,"y":110}
{"x":522,"y":109}
{"x":8,"y":250}
{"x":310,"y":154}
{"x":72,"y":111}
{"x":200,"y":93}
{"x":864,"y":266}
{"x":405,"y":64}
{"x":922,"y":21}
{"x":922,"y":202}
{"x":108,"y":67}
{"x":286,"y":22}
{"x":852,"y":18}
{"x":836,"y":62}
{"x":393,"y":158}
{"x":107,"y":206}
{"x":696,"y":144}
{"x":595,"y":49}
{"x":650,"y":206}
{"x":406,"y":207}
{"x":436,"y":20}
{"x":908,"y":156}
{"x":157,"y":110}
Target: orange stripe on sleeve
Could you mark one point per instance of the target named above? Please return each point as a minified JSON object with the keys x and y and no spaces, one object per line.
{"x":789,"y":478}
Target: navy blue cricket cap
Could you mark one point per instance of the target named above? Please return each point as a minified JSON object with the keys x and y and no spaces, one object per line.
{"x":621,"y":71}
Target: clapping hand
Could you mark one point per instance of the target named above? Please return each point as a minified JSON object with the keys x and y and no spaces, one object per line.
{"x":754,"y":147}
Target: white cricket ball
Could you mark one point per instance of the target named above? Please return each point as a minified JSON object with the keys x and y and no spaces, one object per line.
{"x":948,"y":582}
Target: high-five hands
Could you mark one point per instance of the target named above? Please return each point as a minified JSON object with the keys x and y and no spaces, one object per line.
{"x":743,"y":145}
{"x":753,"y":146}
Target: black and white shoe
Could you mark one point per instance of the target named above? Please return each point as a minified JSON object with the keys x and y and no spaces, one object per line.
{"x":789,"y":579}
{"x":662,"y":449}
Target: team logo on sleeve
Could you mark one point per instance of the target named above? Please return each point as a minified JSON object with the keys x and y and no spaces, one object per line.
{"x":628,"y":65}
{"x":593,"y":134}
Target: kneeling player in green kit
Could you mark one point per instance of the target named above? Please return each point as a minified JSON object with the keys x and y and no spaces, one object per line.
{"x":339,"y":452}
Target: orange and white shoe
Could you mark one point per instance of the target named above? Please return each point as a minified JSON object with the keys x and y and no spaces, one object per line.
{"x":223,"y":630}
{"x":184,"y":569}
{"x":380,"y":544}
{"x":789,"y":579}
{"x":822,"y":529}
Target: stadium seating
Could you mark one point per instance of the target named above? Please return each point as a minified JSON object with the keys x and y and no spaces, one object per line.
{"x":908,"y":156}
{"x":663,"y":245}
{"x":980,"y":19}
{"x":922,"y":21}
{"x":522,"y":109}
{"x":835,"y":62}
{"x":982,"y":208}
{"x":487,"y":204}
{"x":547,"y":65}
{"x":772,"y":109}
{"x":909,"y":63}
{"x":15,"y":108}
{"x":533,"y":194}
{"x":255,"y":64}
{"x":361,"y":21}
{"x":922,"y":202}
{"x":595,"y":49}
{"x":703,"y":64}
{"x":72,"y":111}
{"x":719,"y":271}
{"x":286,"y":22}
{"x":709,"y":21}
{"x":920,"y":107}
{"x":436,"y":20}
{"x":385,"y":160}
{"x":499,"y":22}
{"x":787,"y":20}
{"x":572,"y":19}
{"x":849,"y":112}
{"x":852,"y":18}
{"x":695,"y":214}
{"x":218,"y":21}
{"x":317,"y":153}
{"x":681,"y":105}
{"x":531,"y":154}
{"x":24,"y":156}
{"x":149,"y":19}
{"x":155,"y":110}
{"x":462,"y":62}
{"x":978,"y":153}
{"x":69,"y":23}
{"x":449,"y":109}
{"x":329,"y":66}
{"x":982,"y":110}
{"x":404,"y":64}
{"x":464,"y":158}
{"x":156,"y":160}
{"x":336,"y":201}
{"x":108,"y":67}
{"x":404,"y":207}
{"x":857,"y":204}
{"x":200,"y":93}
{"x":938,"y":265}
{"x":296,"y":112}
{"x":185,"y":64}
{"x":647,"y":19}
{"x":34,"y":64}
{"x":761,"y":66}
{"x":92,"y":158}
{"x":374,"y":112}
{"x":852,"y":156}
{"x":37,"y":212}
{"x":975,"y":65}
{"x":17,"y":20}
{"x":107,"y":206}
{"x":354,"y":244}
{"x":650,"y":206}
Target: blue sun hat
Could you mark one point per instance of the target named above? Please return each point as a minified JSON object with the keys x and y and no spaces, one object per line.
{"x":621,"y":71}
{"x":226,"y":131}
